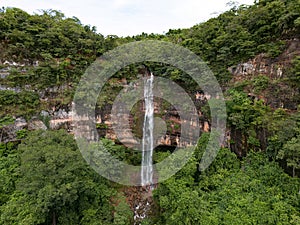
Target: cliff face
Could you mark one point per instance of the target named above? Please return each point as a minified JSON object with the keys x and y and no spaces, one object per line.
{"x":271,"y":67}
{"x":277,"y":93}
{"x":267,"y":79}
{"x":60,"y":117}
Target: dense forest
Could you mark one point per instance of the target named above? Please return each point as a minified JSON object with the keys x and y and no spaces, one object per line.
{"x":254,"y":52}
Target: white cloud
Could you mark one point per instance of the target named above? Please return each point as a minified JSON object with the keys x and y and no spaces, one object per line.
{"x":130,"y":17}
{"x":124,"y":3}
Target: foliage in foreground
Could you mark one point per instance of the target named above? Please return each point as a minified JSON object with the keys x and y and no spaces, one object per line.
{"x":257,"y":192}
{"x":46,"y":181}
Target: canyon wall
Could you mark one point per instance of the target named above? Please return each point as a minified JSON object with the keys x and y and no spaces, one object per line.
{"x":278,"y":94}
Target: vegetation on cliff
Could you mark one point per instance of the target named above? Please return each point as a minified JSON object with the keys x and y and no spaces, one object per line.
{"x":255,"y":178}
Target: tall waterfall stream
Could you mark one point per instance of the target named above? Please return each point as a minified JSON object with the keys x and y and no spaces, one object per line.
{"x":147,"y":145}
{"x":144,"y":207}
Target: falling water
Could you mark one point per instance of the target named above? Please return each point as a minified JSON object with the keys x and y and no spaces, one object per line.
{"x":143,"y":207}
{"x":147,"y":150}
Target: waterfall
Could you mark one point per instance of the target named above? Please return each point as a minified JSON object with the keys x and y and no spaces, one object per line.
{"x":143,"y":207}
{"x":147,"y":145}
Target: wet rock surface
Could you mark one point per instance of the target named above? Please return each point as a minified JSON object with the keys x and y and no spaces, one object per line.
{"x":140,"y":201}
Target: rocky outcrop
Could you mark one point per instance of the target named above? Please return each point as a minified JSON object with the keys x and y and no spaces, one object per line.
{"x":274,"y":68}
{"x":167,"y":128}
{"x":277,"y":93}
{"x":10,"y":132}
{"x":36,"y":124}
{"x":266,"y":79}
{"x":141,"y":202}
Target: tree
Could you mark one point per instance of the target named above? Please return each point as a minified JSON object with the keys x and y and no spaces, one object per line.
{"x":248,"y":122}
{"x":258,"y":192}
{"x":55,"y":184}
{"x":9,"y":163}
{"x":291,"y":153}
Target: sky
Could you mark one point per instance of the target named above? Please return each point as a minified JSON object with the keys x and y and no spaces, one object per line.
{"x":130,"y":17}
